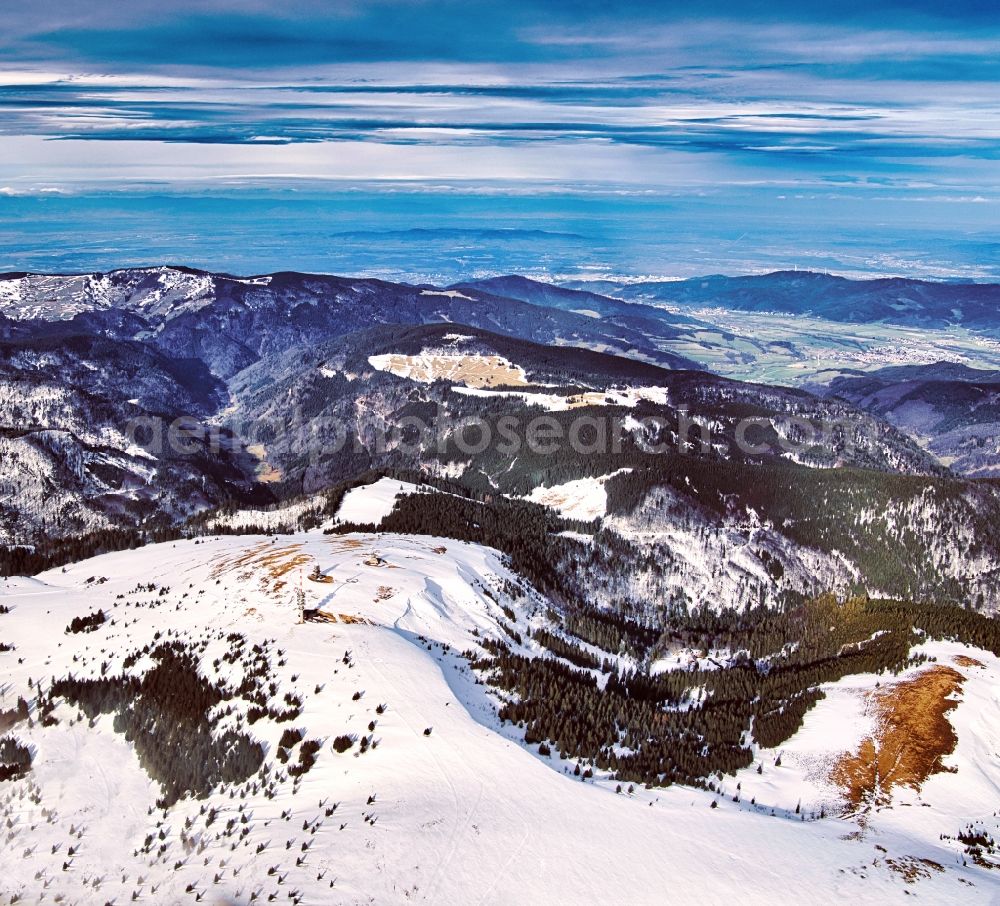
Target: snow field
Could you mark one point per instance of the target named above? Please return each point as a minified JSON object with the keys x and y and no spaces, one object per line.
{"x":464,"y":814}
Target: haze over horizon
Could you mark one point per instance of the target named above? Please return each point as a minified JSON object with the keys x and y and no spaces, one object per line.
{"x":385,"y":138}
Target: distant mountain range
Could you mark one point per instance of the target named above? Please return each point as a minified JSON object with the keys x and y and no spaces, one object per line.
{"x":289,"y":384}
{"x":894,"y":300}
{"x":231,"y":321}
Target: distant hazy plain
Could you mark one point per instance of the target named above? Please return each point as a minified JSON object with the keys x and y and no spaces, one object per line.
{"x":442,"y":234}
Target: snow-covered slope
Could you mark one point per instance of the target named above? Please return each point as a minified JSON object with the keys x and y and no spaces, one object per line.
{"x":284,"y":518}
{"x":810,"y":766}
{"x":152,"y":290}
{"x":369,"y":504}
{"x":582,"y":498}
{"x":434,"y":801}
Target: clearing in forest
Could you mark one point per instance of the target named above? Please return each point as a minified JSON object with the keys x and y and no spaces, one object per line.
{"x":471,"y":370}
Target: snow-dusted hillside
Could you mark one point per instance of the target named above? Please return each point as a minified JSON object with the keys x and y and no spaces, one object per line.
{"x":433,"y":801}
{"x":148,"y":290}
{"x":284,"y":518}
{"x":705,"y":562}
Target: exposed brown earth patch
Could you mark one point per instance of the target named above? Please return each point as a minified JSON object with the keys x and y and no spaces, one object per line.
{"x":340,"y":544}
{"x":326,"y":616}
{"x":224,"y":564}
{"x":282,"y":561}
{"x":912,"y":737}
{"x":265,"y":472}
{"x":913,"y":869}
{"x":963,"y":660}
{"x":269,"y":561}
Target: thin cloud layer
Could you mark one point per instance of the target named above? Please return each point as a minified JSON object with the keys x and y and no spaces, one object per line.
{"x":525,"y":98}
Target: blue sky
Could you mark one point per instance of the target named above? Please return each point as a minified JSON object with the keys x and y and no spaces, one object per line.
{"x":746,"y":135}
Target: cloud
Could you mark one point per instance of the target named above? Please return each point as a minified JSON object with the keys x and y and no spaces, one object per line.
{"x":523,"y":99}
{"x":260,"y":36}
{"x":29,"y":191}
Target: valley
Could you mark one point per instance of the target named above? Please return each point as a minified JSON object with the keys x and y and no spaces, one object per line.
{"x":804,"y":351}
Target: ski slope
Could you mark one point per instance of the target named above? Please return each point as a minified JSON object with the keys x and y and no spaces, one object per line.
{"x":465,"y":814}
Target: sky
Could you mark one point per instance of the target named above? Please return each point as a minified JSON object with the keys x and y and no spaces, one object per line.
{"x":437,"y":140}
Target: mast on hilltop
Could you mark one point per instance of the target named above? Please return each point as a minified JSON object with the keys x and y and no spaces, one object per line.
{"x":300,"y":601}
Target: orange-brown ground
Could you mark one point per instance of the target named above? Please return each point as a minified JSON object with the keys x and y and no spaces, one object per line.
{"x":963,"y":660}
{"x":326,"y":616}
{"x":271,"y":560}
{"x":340,"y":544}
{"x":911,"y":739}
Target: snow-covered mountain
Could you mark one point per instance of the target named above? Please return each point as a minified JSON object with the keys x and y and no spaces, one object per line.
{"x":231,"y":322}
{"x":894,"y":300}
{"x":372,"y":762}
{"x":73,"y":465}
{"x":322,"y":657}
{"x":285,"y":386}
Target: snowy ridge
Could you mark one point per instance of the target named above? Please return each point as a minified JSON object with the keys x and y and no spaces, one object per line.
{"x":155,"y":290}
{"x":555,"y":402}
{"x":447,"y":807}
